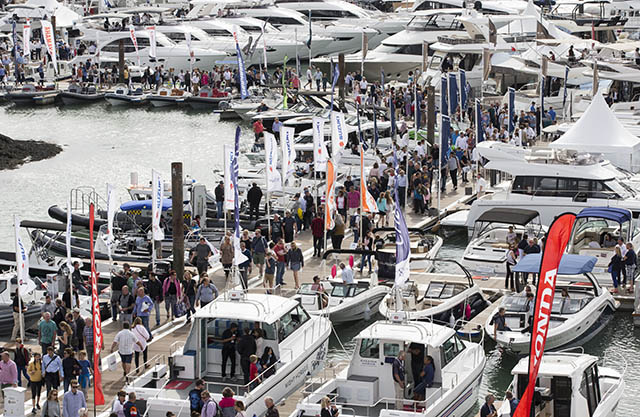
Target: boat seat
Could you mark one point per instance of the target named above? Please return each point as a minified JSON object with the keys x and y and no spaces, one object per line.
{"x":163,"y":92}
{"x":500,"y":245}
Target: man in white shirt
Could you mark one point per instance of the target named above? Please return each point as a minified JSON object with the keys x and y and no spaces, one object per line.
{"x":420,"y":149}
{"x":363,"y":85}
{"x":347,"y":274}
{"x":461,"y":143}
{"x":124,"y":341}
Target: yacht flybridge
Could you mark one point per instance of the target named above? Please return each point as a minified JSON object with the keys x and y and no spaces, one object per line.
{"x":299,"y":342}
{"x":366,"y":388}
{"x":577,"y":316}
{"x":553,"y":181}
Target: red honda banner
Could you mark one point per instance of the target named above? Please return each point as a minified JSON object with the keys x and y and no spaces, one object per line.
{"x":98,"y":395}
{"x":555,"y":245}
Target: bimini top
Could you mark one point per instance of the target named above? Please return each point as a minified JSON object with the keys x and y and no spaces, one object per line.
{"x":508,"y":215}
{"x":610,"y":213}
{"x":569,"y":264}
{"x":412,"y":332}
{"x":144,"y":205}
{"x":265,"y":308}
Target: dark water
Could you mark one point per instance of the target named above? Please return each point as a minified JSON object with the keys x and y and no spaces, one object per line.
{"x":618,"y":342}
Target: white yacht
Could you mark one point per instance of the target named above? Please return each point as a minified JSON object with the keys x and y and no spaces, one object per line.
{"x":487,"y":250}
{"x":553,"y":181}
{"x":441,"y":299}
{"x":344,"y":38}
{"x":169,"y":54}
{"x":365,"y":387}
{"x":401,"y":53}
{"x":589,"y":236}
{"x":345,"y":13}
{"x":424,"y":249}
{"x":569,"y":384}
{"x":298,"y":340}
{"x":575,"y":318}
{"x":341,"y":302}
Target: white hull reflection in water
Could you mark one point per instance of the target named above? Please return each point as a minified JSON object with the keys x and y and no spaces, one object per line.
{"x":103,"y":145}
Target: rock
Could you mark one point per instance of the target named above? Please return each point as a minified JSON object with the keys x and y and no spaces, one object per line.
{"x":14,"y":153}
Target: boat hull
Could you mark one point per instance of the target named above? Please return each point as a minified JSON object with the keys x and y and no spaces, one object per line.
{"x":205,"y":103}
{"x":73,"y":99}
{"x":117,"y":100}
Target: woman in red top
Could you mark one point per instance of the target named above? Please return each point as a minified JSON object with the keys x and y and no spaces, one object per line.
{"x":253,"y":371}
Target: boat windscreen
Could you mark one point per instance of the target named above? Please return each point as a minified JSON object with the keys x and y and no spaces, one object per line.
{"x":339,"y":290}
{"x":515,"y":303}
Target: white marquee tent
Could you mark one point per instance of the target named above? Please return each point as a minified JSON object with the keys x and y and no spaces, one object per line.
{"x":600,"y":131}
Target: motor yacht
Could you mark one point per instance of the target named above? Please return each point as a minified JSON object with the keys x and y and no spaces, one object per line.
{"x":570,"y":384}
{"x":487,"y":251}
{"x":298,"y":340}
{"x":342,"y":302}
{"x":424,"y":249}
{"x":366,"y":388}
{"x":168,"y":53}
{"x":345,"y":13}
{"x":596,"y":232}
{"x":441,"y":298}
{"x":553,"y":181}
{"x":401,"y":53}
{"x":344,"y":38}
{"x":576,"y":317}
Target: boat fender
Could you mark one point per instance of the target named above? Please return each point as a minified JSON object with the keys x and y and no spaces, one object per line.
{"x":367,"y":312}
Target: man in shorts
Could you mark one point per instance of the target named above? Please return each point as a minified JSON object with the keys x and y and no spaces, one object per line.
{"x":124,"y":341}
{"x":259,"y":248}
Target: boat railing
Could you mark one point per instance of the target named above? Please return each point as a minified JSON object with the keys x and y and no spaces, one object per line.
{"x":82,"y":197}
{"x":175,"y":346}
{"x":328,"y":373}
{"x":245,"y":388}
{"x":614,"y":360}
{"x":150,"y":364}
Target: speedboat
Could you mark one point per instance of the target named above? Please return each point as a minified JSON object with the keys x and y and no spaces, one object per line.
{"x":31,"y":94}
{"x":589,"y":236}
{"x":487,"y":251}
{"x":575,"y":318}
{"x":207,"y":99}
{"x":343,"y":302}
{"x":8,"y":285}
{"x":366,"y":388}
{"x":298,"y":340}
{"x":123,"y":96}
{"x":569,"y":384}
{"x":81,"y":94}
{"x":424,"y":249}
{"x":169,"y":97}
{"x":441,"y":299}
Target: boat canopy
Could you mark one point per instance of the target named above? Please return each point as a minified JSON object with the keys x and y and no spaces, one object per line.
{"x":508,"y":215}
{"x":610,"y":213}
{"x":144,"y":205}
{"x":569,"y":264}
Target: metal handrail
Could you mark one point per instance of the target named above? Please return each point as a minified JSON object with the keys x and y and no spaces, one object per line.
{"x":158,"y":359}
{"x":175,"y":346}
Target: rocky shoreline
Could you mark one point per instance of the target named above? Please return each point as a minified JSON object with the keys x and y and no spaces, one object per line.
{"x":14,"y":153}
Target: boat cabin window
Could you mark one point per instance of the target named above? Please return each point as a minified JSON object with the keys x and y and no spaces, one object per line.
{"x":451,"y":348}
{"x":216,"y":327}
{"x":590,"y":388}
{"x":292,"y":321}
{"x":561,"y":391}
{"x":443,"y":290}
{"x":281,"y":20}
{"x":217,"y":32}
{"x":515,"y":303}
{"x":369,"y":348}
{"x":561,"y":187}
{"x":347,"y":290}
{"x":176,"y":36}
{"x":3,"y":286}
{"x":391,"y":349}
{"x":114,"y":46}
{"x":331,"y":14}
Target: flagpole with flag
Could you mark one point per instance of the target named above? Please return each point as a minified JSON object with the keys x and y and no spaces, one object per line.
{"x":274,"y":182}
{"x":555,"y":245}
{"x":238,"y":257}
{"x":329,"y":201}
{"x":564,"y":93}
{"x":134,"y":40}
{"x":309,"y":40}
{"x":402,"y":238}
{"x":68,"y":245}
{"x":285,"y":105}
{"x":511,"y":102}
{"x":22,"y":272}
{"x":479,"y":134}
{"x":241,"y":71}
{"x":157,"y":234}
{"x":98,"y":342}
{"x":365,"y":49}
